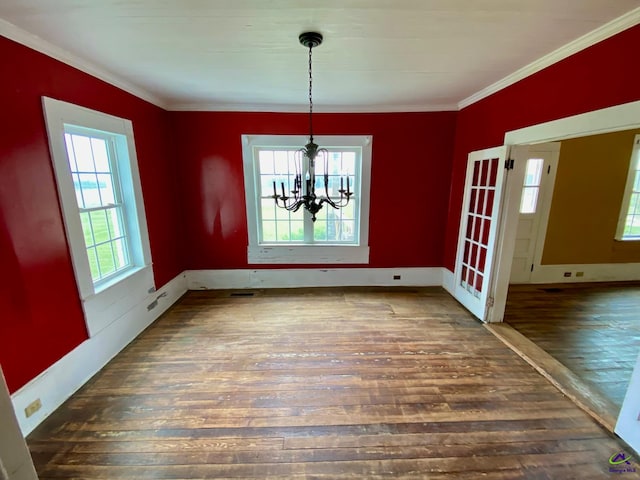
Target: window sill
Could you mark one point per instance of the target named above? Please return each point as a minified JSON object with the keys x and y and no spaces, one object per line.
{"x":308,"y":254}
{"x":111,"y":282}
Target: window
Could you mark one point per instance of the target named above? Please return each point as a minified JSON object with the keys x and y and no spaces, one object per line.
{"x":93,"y":165}
{"x":629,"y":221}
{"x":531,"y":188}
{"x":98,"y":182}
{"x":279,"y":236}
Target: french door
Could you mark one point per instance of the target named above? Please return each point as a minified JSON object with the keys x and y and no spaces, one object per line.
{"x":478,"y":229}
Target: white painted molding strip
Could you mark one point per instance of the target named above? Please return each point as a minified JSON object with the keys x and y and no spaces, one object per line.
{"x":610,"y":29}
{"x":600,"y":272}
{"x":38,"y":44}
{"x":313,"y":277}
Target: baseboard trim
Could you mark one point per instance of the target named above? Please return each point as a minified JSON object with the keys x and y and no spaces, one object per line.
{"x":600,"y":272}
{"x":62,"y":379}
{"x":448,"y":280}
{"x":313,"y":277}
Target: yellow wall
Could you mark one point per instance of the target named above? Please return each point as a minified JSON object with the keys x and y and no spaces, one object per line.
{"x":587,"y":197}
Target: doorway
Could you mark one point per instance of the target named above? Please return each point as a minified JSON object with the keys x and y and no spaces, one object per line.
{"x":622,"y":117}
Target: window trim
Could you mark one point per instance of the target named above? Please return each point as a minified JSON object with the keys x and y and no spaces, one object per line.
{"x":634,"y":165}
{"x":292,"y":253}
{"x":57,"y":114}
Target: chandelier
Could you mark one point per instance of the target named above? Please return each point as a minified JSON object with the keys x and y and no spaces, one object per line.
{"x":303,"y":194}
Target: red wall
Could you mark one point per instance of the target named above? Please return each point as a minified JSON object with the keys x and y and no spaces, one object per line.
{"x":411,"y":167}
{"x":41,"y":316}
{"x":603,"y":75}
{"x":192,"y":181}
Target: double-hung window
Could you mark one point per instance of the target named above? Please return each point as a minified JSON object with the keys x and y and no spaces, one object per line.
{"x":277,"y":235}
{"x":96,"y":169}
{"x":629,"y":220}
{"x":92,"y":157}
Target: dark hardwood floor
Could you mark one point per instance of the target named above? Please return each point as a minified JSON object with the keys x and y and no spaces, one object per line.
{"x":326,"y":383}
{"x":592,"y":329}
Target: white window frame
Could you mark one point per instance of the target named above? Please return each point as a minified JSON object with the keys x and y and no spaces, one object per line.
{"x":634,"y":165}
{"x":138,"y":275}
{"x":296,"y":253}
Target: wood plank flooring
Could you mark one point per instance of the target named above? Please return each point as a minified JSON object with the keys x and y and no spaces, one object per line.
{"x":592,"y":329}
{"x":324,"y":383}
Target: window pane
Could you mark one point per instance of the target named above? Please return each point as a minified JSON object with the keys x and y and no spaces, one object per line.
{"x":86,"y":229}
{"x":76,"y":185}
{"x":100,"y":156}
{"x":93,"y":264}
{"x":281,"y":159}
{"x":99,"y":226}
{"x":533,"y":172}
{"x":297,"y":230}
{"x":348,"y":163}
{"x":347,"y":231}
{"x":529,"y":200}
{"x":83,"y":153}
{"x":348,"y":212}
{"x":114,"y":222}
{"x":105,"y":189}
{"x":105,"y":259}
{"x":268,"y":209}
{"x":265,"y":159}
{"x":267,"y":186}
{"x":322,"y":159}
{"x":89,"y":189}
{"x":320,"y":231}
{"x":268,"y":231}
{"x":121,"y":254}
{"x":283,"y":230}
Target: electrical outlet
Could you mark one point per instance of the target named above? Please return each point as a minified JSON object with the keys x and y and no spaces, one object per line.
{"x":579,"y":274}
{"x":397,"y":277}
{"x":567,"y":274}
{"x":33,"y":407}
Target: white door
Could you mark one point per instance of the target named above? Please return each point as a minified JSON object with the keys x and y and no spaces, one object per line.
{"x":478,"y":227}
{"x":15,"y":460}
{"x":540,"y":163}
{"x":628,"y":425}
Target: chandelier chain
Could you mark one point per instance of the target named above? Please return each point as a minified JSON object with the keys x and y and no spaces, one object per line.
{"x":303,"y":195}
{"x":310,"y":97}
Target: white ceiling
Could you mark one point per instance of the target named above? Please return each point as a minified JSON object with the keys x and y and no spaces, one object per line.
{"x":378,"y":55}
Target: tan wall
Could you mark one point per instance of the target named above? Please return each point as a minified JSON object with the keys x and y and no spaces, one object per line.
{"x":587,"y":197}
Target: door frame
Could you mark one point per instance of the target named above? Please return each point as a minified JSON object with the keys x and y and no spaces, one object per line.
{"x":611,"y":119}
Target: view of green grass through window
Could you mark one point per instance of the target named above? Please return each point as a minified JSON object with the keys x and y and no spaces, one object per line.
{"x":99,"y":201}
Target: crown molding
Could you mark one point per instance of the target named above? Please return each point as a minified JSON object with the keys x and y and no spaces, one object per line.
{"x":34,"y":42}
{"x":610,"y":29}
{"x":284,"y":108}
